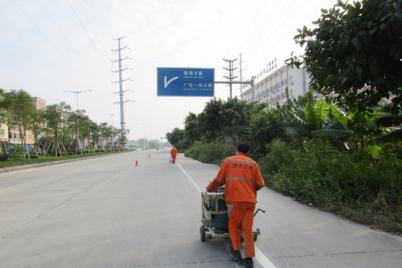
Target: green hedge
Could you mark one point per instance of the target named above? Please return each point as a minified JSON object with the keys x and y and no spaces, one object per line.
{"x":354,"y":185}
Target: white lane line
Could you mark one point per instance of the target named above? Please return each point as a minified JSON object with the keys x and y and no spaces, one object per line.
{"x":189,"y":177}
{"x":262,"y":260}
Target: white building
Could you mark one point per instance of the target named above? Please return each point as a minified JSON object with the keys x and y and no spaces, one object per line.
{"x":3,"y":132}
{"x":284,"y":84}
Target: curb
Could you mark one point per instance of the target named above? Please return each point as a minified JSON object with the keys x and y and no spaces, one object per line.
{"x":50,"y":163}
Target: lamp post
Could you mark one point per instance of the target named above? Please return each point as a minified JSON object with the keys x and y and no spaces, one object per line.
{"x":77,"y":93}
{"x":111,"y":116}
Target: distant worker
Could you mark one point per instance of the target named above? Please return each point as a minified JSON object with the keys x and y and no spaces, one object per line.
{"x":173,"y":153}
{"x":242,"y":179}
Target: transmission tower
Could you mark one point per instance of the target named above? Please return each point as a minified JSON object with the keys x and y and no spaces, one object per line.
{"x":121,"y":69}
{"x":230,"y":77}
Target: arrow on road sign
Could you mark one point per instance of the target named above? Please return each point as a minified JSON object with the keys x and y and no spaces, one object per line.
{"x":168,"y":82}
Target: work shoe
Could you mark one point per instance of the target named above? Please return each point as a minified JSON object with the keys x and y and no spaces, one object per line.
{"x":248,"y":263}
{"x":236,"y":256}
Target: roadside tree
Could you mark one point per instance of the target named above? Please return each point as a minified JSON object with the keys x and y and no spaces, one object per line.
{"x":354,"y":54}
{"x":20,"y":113}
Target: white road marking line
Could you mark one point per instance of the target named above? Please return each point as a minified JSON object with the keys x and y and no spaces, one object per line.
{"x":189,"y":178}
{"x":262,"y":260}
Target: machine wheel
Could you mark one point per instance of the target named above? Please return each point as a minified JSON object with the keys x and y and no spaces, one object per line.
{"x":229,"y":242}
{"x":203,"y":236}
{"x":256,"y":234}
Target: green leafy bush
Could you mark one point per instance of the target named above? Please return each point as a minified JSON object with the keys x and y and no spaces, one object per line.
{"x":17,"y":153}
{"x":210,"y":152}
{"x":352,"y":184}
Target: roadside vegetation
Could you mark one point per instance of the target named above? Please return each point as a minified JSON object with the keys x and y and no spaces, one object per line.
{"x":53,"y":129}
{"x":339,"y":148}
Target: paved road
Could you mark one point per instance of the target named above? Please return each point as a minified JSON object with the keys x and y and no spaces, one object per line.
{"x":106,"y":212}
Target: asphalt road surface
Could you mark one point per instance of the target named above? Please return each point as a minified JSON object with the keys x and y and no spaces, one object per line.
{"x":107,"y":212}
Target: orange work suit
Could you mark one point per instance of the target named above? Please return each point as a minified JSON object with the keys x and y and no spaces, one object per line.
{"x":173,"y":153}
{"x":242,"y":179}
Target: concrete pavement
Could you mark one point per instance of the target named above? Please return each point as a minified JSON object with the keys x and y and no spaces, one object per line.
{"x":106,"y":212}
{"x":103,"y":212}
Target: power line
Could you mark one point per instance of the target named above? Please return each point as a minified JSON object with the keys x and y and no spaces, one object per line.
{"x":50,"y":16}
{"x":90,"y":10}
{"x":260,"y":9}
{"x":266,"y":33}
{"x":38,"y":29}
{"x":253,"y":35}
{"x":277,"y":41}
{"x":84,"y":28}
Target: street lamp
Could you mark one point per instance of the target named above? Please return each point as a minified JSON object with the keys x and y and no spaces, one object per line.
{"x":77,"y":93}
{"x":111,"y":116}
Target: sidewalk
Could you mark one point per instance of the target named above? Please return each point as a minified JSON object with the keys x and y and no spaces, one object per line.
{"x":296,"y":235}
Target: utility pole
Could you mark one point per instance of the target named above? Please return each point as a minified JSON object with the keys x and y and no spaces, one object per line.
{"x":77,"y":93}
{"x":230,"y":77}
{"x":253,"y":89}
{"x":241,"y":74}
{"x":123,"y":138}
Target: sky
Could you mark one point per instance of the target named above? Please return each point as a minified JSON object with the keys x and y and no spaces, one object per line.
{"x":51,"y":47}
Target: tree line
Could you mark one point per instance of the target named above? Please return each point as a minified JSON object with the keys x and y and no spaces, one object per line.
{"x":229,"y":122}
{"x":55,"y":129}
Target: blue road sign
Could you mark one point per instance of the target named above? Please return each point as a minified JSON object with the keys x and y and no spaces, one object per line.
{"x":196,"y":82}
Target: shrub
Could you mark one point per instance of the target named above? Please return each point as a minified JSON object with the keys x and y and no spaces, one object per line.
{"x":17,"y":152}
{"x":209,"y":152}
{"x":337,"y":181}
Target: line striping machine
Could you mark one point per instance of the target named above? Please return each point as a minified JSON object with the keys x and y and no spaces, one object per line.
{"x":215,"y":216}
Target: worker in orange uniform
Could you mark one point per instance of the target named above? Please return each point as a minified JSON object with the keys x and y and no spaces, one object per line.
{"x":242,"y":178}
{"x":173,"y":153}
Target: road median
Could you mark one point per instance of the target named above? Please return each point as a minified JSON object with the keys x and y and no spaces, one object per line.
{"x":50,"y":162}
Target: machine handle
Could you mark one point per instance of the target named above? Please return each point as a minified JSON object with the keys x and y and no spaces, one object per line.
{"x":212,"y":193}
{"x":258,"y":210}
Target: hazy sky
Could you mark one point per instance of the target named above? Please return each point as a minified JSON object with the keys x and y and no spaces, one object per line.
{"x":49,"y":46}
